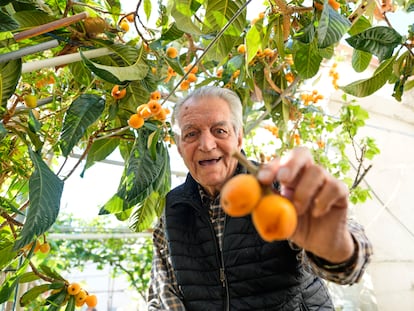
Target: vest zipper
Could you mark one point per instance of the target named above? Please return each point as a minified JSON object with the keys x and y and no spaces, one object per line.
{"x":223,"y":277}
{"x":222,"y":270}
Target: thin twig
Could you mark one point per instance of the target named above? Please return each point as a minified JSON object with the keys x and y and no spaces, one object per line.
{"x":251,"y":168}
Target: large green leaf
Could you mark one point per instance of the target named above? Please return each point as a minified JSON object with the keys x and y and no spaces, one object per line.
{"x":172,"y":33}
{"x":332,"y":26}
{"x":141,"y":170}
{"x":83,"y":112}
{"x":100,"y":149}
{"x":10,"y":282}
{"x":9,"y":77}
{"x":9,"y":206}
{"x":32,"y":18}
{"x":306,"y":58}
{"x":33,"y":293}
{"x":56,"y":300}
{"x":116,"y":74}
{"x":7,"y":23}
{"x":6,"y":250}
{"x":126,"y":55}
{"x":365,"y":87}
{"x":360,"y":60}
{"x":142,"y":217}
{"x":253,"y":41}
{"x":183,"y":13}
{"x":142,"y":175}
{"x":144,"y":214}
{"x":380,"y":41}
{"x":81,"y":74}
{"x":45,"y":192}
{"x":219,"y":13}
{"x":5,"y":2}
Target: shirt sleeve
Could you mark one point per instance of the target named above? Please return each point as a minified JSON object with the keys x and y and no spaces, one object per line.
{"x":163,"y":293}
{"x":349,"y":272}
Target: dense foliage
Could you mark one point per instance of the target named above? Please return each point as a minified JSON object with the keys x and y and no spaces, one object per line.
{"x":65,"y":66}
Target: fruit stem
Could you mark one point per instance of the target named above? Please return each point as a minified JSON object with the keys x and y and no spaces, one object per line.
{"x":251,"y":168}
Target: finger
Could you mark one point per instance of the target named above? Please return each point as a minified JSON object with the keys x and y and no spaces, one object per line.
{"x":292,"y":165}
{"x":333,"y":194}
{"x":311,"y":181}
{"x":267,"y":172}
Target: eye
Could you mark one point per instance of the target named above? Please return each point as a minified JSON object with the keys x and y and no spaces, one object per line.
{"x":220,"y":132}
{"x":190,"y":136}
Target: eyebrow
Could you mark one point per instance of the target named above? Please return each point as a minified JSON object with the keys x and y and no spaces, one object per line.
{"x":219,"y":123}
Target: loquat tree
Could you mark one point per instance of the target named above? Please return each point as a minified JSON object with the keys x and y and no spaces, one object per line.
{"x":80,"y":77}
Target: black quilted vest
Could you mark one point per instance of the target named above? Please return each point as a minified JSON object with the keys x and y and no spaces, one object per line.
{"x":249,"y":274}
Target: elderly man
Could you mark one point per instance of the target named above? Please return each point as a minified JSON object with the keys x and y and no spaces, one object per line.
{"x":207,"y":260}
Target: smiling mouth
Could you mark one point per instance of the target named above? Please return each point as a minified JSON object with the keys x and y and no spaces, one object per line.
{"x":209,"y":162}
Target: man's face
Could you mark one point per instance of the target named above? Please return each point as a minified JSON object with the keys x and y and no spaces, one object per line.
{"x":207,"y":140}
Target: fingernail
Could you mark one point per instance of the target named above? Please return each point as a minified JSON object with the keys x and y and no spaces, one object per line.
{"x":283,"y":174}
{"x":264,"y":175}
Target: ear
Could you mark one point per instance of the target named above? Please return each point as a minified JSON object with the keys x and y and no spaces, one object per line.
{"x":177,"y":144}
{"x":240,"y":139}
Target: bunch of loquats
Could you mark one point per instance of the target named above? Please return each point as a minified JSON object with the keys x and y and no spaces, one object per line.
{"x":80,"y":296}
{"x":151,"y":109}
{"x":190,"y":70}
{"x":273,"y":215}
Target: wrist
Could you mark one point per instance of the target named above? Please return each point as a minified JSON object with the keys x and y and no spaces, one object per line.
{"x":337,"y":265}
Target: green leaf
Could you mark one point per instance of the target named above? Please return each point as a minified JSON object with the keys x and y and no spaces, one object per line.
{"x":83,"y":112}
{"x":7,"y":23}
{"x":360,"y":25}
{"x":114,"y":205}
{"x":116,"y":74}
{"x":142,"y":217}
{"x":5,"y":2}
{"x":32,"y":18}
{"x":100,"y":149}
{"x":141,"y":170}
{"x":332,"y":26}
{"x":33,"y":293}
{"x":9,"y":206}
{"x":183,"y":13}
{"x":306,"y":58}
{"x":219,"y":13}
{"x":55,"y":301}
{"x":147,"y":8}
{"x":10,"y":282}
{"x":125,"y":55}
{"x":253,"y":42}
{"x":28,"y":277}
{"x":81,"y":73}
{"x":51,"y":272}
{"x":172,"y":33}
{"x":360,"y":60}
{"x":365,"y":87}
{"x":218,"y":16}
{"x":142,"y":175}
{"x":144,"y":214}
{"x":45,"y":191}
{"x":6,"y":253}
{"x":380,"y":41}
{"x":7,"y":287}
{"x":9,"y":77}
{"x":71,"y":304}
{"x":3,"y":131}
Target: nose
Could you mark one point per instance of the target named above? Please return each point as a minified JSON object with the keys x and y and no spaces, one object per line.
{"x":207,"y":142}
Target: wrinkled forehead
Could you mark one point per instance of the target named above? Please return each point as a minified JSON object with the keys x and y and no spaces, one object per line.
{"x":191,"y":109}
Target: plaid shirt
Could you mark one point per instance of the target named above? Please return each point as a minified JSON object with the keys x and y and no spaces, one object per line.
{"x":164,"y":292}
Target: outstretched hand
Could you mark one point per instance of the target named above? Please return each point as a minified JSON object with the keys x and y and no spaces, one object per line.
{"x":321,"y":202}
